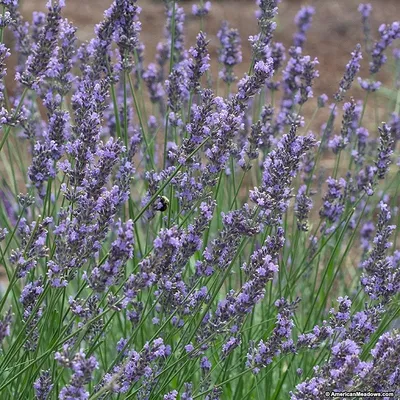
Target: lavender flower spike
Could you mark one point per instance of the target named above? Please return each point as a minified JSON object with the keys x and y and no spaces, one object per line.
{"x":303,"y":22}
{"x":199,"y":63}
{"x":230,"y":53}
{"x":388,"y":33}
{"x":385,"y":150}
{"x":381,"y":277}
{"x":38,"y":61}
{"x":5,"y":323}
{"x":251,"y":85}
{"x":127,"y":28}
{"x":43,"y":386}
{"x":83,"y":369}
{"x":352,"y":68}
{"x":280,"y":167}
{"x":365,"y":11}
{"x":202,"y":9}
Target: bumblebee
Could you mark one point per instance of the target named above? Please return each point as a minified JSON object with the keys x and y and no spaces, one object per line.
{"x":162,"y":203}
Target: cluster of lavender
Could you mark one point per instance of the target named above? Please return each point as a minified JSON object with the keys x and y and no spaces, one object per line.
{"x":139,"y":231}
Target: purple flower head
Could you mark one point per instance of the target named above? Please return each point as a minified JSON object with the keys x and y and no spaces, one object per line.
{"x":365,"y":10}
{"x":380,"y":274}
{"x":152,"y":78}
{"x":107,"y":274}
{"x":362,"y":138}
{"x":202,"y":9}
{"x":5,"y":323}
{"x":322,"y":100}
{"x":43,"y":385}
{"x":265,"y":15}
{"x":199,"y":63}
{"x":278,"y":54}
{"x":171,"y":395}
{"x":174,"y":31}
{"x":303,"y":22}
{"x":251,"y":85}
{"x":230,"y":53}
{"x":135,"y":366}
{"x":82,"y":370}
{"x":187,"y":394}
{"x":369,"y":86}
{"x":177,"y":87}
{"x":3,"y":233}
{"x":205,"y":364}
{"x":388,"y":33}
{"x":280,"y":167}
{"x":4,"y":54}
{"x":351,"y":115}
{"x":279,"y":341}
{"x":33,"y":236}
{"x":38,"y":61}
{"x":385,"y":150}
{"x":352,"y":68}
{"x":303,"y":207}
{"x":333,"y":200}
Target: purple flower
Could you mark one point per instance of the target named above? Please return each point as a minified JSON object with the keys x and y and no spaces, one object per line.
{"x":298,"y":77}
{"x":322,"y":100}
{"x":303,"y":206}
{"x":126,"y":29}
{"x":364,"y":323}
{"x":202,"y":9}
{"x":352,"y":68}
{"x":279,"y":169}
{"x":29,"y":299}
{"x":308,"y":76}
{"x":171,"y":395}
{"x":43,"y":385}
{"x":3,"y":233}
{"x":333,"y":200}
{"x":42,"y":168}
{"x":380,"y":277}
{"x":82,"y":370}
{"x":4,"y":54}
{"x":59,"y":67}
{"x":38,"y":62}
{"x":205,"y":364}
{"x":261,"y":42}
{"x":152,"y":78}
{"x":107,"y":274}
{"x":174,"y":31}
{"x":5,"y":323}
{"x":33,"y":240}
{"x":388,"y":33}
{"x":385,"y":150}
{"x":303,"y":22}
{"x":230,"y":53}
{"x":177,"y":87}
{"x":187,"y":394}
{"x":395,"y":127}
{"x":369,"y":86}
{"x":199,"y":63}
{"x":351,"y":115}
{"x":279,"y":341}
{"x":365,"y":11}
{"x":359,"y":153}
{"x":135,"y":366}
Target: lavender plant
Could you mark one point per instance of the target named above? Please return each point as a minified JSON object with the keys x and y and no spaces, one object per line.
{"x":172,"y":232}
